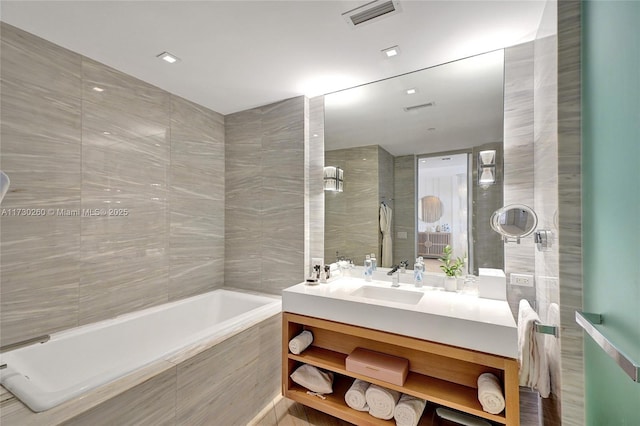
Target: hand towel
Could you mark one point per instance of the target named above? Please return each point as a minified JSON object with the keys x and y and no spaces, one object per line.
{"x":355,"y":396}
{"x":552,"y":349}
{"x":534,"y":370}
{"x":300,"y":342}
{"x":313,"y":379}
{"x":409,"y":410}
{"x":490,"y":393}
{"x":381,"y":401}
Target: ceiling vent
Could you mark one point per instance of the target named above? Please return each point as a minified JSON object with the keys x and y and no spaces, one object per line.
{"x":371,"y":11}
{"x":416,"y":107}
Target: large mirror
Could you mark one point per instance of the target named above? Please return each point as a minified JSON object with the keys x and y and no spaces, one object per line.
{"x":411,"y":145}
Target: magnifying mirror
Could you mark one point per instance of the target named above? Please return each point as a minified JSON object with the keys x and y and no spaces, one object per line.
{"x":514,"y":221}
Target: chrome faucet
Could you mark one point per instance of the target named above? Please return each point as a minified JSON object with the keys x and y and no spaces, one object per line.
{"x":394,"y":273}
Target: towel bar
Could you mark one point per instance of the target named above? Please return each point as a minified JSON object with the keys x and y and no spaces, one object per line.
{"x":16,"y":345}
{"x":547,"y":329}
{"x":587,"y":321}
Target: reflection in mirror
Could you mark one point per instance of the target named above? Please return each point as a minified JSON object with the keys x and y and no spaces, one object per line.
{"x":377,"y":132}
{"x":431,"y":209}
{"x":514,"y":221}
{"x":445,"y":176}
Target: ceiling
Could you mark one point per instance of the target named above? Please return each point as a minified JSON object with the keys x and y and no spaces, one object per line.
{"x":237,"y":55}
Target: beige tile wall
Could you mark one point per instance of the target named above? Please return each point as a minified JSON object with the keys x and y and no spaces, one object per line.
{"x":265,"y":196}
{"x":352,"y":217}
{"x":67,"y":147}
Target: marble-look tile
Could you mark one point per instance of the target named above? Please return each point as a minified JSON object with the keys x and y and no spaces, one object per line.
{"x":569,"y":210}
{"x":188,"y":277}
{"x":141,"y":101}
{"x":269,"y":365}
{"x":150,"y":403}
{"x":518,"y":149}
{"x":121,"y":273}
{"x":206,"y":392}
{"x":264,"y":200}
{"x":40,"y":130}
{"x":405,"y":207}
{"x":194,"y":122}
{"x":196,"y":227}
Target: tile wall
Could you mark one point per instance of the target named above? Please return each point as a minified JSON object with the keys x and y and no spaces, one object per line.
{"x":128,"y":184}
{"x":265,"y":196}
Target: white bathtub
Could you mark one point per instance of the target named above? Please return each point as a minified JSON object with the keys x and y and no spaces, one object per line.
{"x":75,"y":361}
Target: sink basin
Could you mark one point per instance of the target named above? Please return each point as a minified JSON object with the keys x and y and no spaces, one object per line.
{"x":388,"y":294}
{"x":483,"y":325}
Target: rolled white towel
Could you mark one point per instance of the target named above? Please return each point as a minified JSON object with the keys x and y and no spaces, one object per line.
{"x":381,"y":401}
{"x":300,"y":342}
{"x":490,"y":393}
{"x":355,"y":396}
{"x":409,"y":410}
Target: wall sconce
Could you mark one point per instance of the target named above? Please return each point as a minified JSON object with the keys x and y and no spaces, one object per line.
{"x":333,"y":179}
{"x":487,"y":167}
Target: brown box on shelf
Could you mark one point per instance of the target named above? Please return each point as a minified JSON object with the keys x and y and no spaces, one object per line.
{"x":388,"y":368}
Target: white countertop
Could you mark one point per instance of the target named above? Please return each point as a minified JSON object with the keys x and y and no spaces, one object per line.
{"x":456,"y":319}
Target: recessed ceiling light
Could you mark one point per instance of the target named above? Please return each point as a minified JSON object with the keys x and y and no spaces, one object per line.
{"x":390,"y":52}
{"x":412,"y":91}
{"x":106,"y":133}
{"x":98,"y":89}
{"x":168,"y":57}
{"x":315,"y":135}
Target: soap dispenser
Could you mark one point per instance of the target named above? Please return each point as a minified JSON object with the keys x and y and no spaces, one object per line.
{"x":368,"y":268}
{"x":374,"y":262}
{"x":418,"y":272}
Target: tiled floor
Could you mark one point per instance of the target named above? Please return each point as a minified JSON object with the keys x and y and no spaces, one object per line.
{"x":289,"y":413}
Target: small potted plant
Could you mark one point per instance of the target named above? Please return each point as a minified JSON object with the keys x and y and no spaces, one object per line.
{"x":451,"y":270}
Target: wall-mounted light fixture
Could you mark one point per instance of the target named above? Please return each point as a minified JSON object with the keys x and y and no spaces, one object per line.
{"x":487,"y":167}
{"x":333,"y":178}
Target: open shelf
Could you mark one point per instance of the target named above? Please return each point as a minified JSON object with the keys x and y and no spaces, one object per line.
{"x":439,"y":391}
{"x":334,"y":405}
{"x":440,"y":374}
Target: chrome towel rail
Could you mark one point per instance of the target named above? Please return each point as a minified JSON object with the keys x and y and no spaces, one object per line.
{"x":588,"y":321}
{"x":11,"y":346}
{"x":547,"y":329}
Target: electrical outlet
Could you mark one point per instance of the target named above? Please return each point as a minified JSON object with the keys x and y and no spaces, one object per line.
{"x":523,"y":280}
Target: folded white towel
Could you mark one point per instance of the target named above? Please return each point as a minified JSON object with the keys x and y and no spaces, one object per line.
{"x":355,"y":396}
{"x":300,"y":342}
{"x":409,"y":410}
{"x":381,"y":401}
{"x":490,"y":393}
{"x":534,"y":369}
{"x":313,"y":379}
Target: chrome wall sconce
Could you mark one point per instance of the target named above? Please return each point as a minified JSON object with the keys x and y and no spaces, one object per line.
{"x":487,"y":167}
{"x":333,"y":179}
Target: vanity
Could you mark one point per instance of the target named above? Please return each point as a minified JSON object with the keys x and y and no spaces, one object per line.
{"x":449,"y":339}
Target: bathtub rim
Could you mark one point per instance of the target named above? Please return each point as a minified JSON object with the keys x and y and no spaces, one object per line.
{"x":102,"y":393}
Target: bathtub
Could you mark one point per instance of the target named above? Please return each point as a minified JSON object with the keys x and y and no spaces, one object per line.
{"x":75,"y":361}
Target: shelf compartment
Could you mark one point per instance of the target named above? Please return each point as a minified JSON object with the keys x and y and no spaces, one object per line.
{"x":335,"y":405}
{"x":435,"y":390}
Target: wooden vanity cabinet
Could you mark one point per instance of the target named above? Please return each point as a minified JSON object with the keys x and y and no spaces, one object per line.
{"x":442,"y":374}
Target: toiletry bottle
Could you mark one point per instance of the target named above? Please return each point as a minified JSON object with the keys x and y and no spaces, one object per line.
{"x":418,"y":272}
{"x":374,"y":262}
{"x":368,"y":268}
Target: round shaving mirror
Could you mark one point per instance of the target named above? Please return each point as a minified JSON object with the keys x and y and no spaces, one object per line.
{"x":514,"y":221}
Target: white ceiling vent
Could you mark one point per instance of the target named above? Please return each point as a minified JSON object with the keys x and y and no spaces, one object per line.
{"x":416,"y":107}
{"x":371,"y":11}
